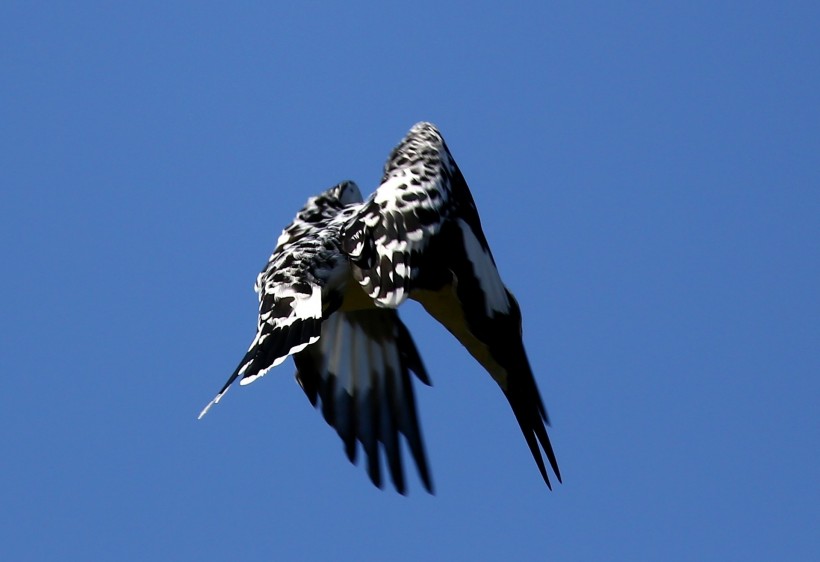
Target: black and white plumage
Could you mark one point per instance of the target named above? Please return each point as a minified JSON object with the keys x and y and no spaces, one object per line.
{"x":330,"y":289}
{"x":353,"y":355}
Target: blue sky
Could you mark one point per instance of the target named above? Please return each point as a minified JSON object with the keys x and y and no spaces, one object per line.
{"x":647,"y":177}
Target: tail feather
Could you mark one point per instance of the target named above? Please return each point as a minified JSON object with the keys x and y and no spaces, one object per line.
{"x":360,"y":369}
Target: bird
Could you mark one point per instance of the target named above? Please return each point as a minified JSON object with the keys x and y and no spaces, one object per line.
{"x":329,"y":294}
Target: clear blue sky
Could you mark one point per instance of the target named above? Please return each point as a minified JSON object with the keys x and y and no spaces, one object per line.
{"x":648,"y":178}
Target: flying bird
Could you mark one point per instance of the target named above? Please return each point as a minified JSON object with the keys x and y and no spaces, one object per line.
{"x":329,"y":293}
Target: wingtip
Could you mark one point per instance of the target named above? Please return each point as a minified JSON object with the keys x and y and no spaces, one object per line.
{"x":216,"y":400}
{"x":205,"y":409}
{"x":554,"y":464}
{"x":557,"y":476}
{"x":427,"y":482}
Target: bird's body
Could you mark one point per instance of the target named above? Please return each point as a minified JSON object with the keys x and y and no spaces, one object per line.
{"x":330,"y":289}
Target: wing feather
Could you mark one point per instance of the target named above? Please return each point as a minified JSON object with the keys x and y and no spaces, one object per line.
{"x":398,"y":221}
{"x":476,"y":307}
{"x":419,"y":236}
{"x":292,"y":285}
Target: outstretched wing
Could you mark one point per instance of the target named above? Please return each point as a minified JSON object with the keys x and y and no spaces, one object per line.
{"x":420,"y":235}
{"x":477,"y":309}
{"x":360,"y":369}
{"x":353,"y":356}
{"x":294,"y":288}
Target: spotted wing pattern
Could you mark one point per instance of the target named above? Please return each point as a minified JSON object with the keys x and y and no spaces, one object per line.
{"x":328,"y":293}
{"x":387,"y":238}
{"x":419,"y":235}
{"x":292,"y":283}
{"x":356,"y":361}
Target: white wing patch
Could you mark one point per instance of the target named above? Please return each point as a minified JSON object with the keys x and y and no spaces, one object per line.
{"x":304,"y":308}
{"x":486,"y":272}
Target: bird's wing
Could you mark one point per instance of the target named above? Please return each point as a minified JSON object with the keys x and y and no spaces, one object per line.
{"x":317,"y":214}
{"x":419,"y":235}
{"x":293,"y":285}
{"x":484,"y":316}
{"x":360,"y":369}
{"x":387,"y":238}
{"x":355,"y":357}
